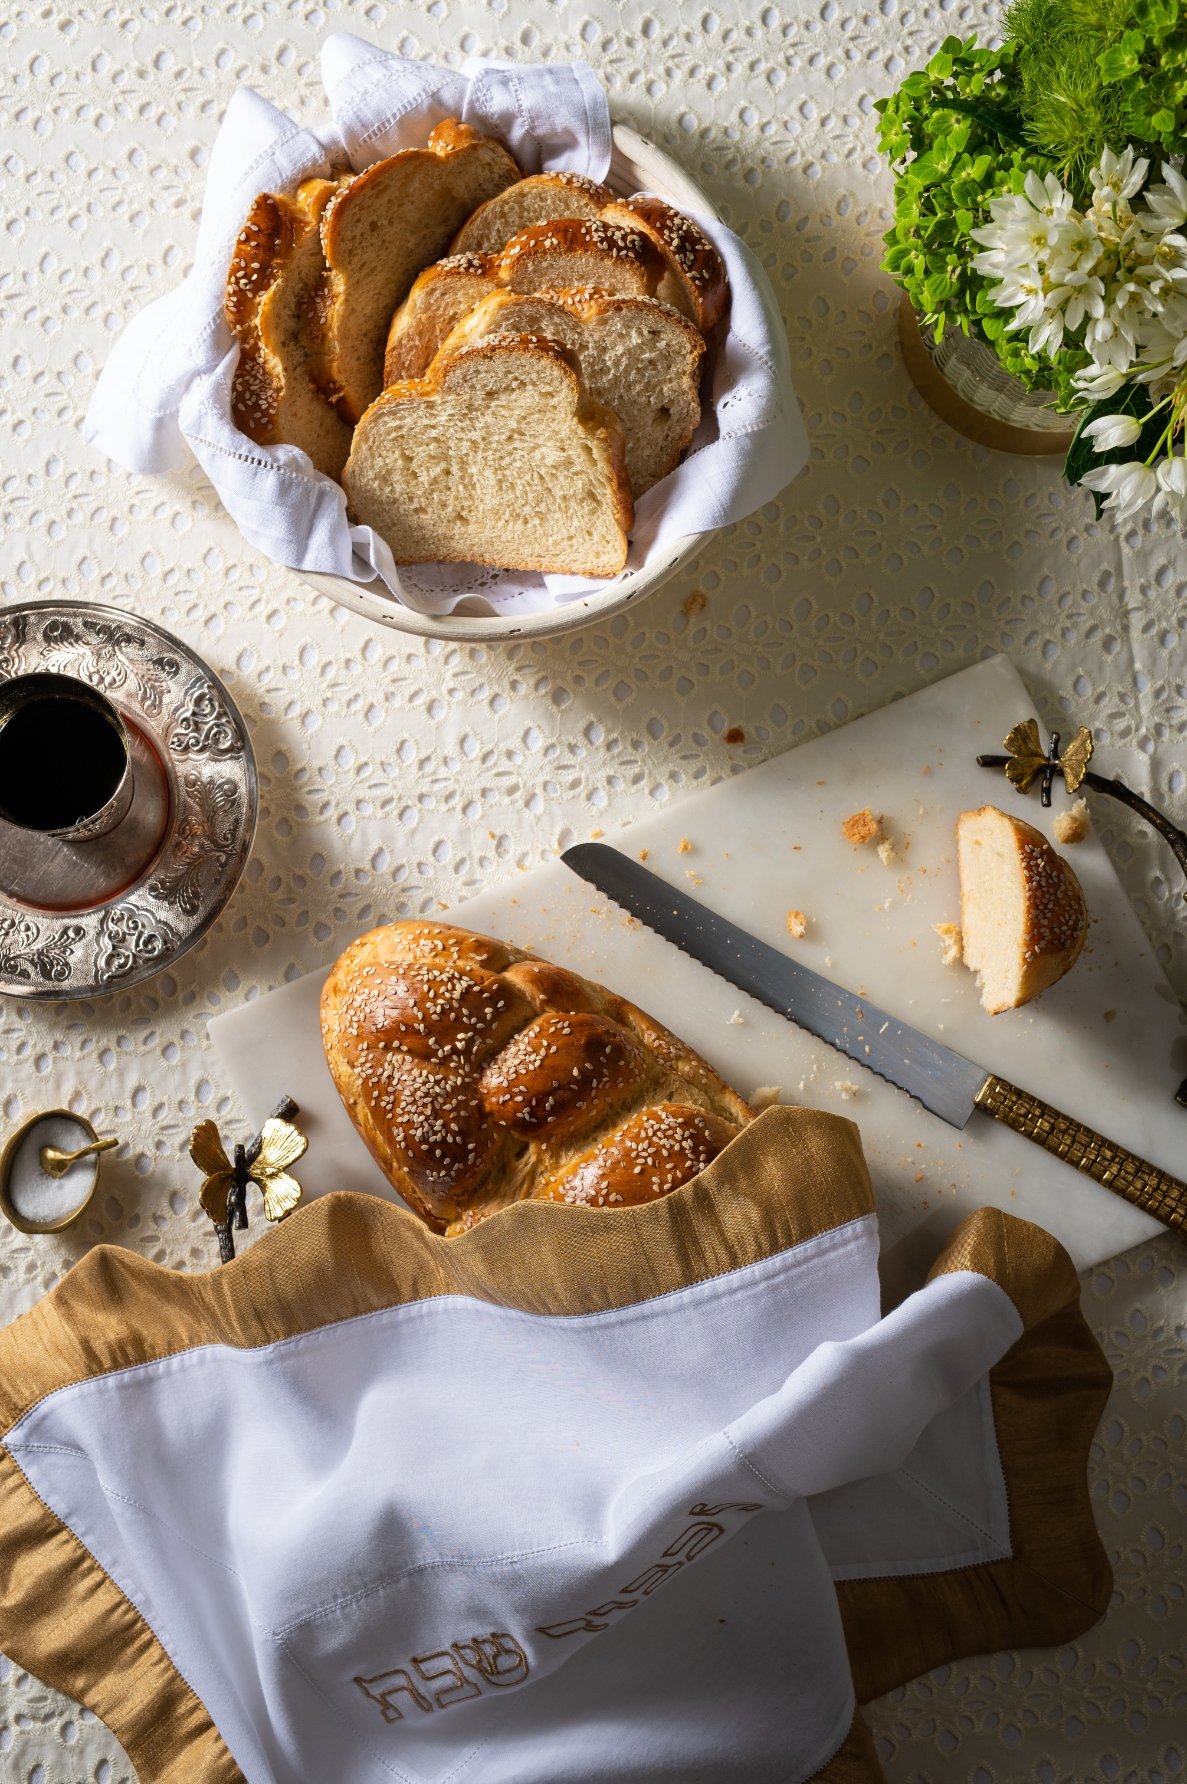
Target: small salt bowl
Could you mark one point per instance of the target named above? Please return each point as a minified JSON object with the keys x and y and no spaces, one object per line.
{"x":32,"y":1199}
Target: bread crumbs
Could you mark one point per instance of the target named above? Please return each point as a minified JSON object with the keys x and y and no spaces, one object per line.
{"x":953,"y":945}
{"x":684,"y":846}
{"x":861,"y":826}
{"x":847,"y":1090}
{"x":887,"y":853}
{"x":797,"y":925}
{"x":1071,"y":825}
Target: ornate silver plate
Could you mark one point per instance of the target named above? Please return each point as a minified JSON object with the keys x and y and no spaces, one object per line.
{"x":198,"y":740}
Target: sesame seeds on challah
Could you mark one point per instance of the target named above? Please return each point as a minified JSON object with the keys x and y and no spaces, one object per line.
{"x":480,"y":1075}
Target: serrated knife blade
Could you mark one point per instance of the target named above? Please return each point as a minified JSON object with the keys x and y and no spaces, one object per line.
{"x":939,"y":1078}
{"x":944,"y":1081}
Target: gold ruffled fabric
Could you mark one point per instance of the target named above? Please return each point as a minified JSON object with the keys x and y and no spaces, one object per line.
{"x":792,"y":1175}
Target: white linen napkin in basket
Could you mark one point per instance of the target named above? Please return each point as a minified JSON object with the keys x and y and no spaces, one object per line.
{"x":166,"y":390}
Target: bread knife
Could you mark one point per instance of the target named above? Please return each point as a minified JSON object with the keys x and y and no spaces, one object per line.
{"x":946,"y":1083}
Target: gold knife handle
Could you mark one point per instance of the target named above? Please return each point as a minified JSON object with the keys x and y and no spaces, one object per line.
{"x":1157,"y":1192}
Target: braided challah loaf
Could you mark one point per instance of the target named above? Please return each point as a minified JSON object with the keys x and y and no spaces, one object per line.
{"x":479,"y":1075}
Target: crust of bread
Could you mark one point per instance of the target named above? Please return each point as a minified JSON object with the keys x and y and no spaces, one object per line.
{"x":480,"y":1075}
{"x":562,"y":194}
{"x":571,"y":251}
{"x":270,"y":308}
{"x":439,"y":298}
{"x":356,"y":304}
{"x":368,"y":495}
{"x":696,"y":280}
{"x":1055,"y":914}
{"x":585,"y":321}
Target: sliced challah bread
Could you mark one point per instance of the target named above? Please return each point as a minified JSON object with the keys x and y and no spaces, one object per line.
{"x":480,"y":1075}
{"x":379,"y":230}
{"x":270,"y":303}
{"x":571,"y":253}
{"x":498,"y":456}
{"x":637,"y":356}
{"x":695,"y":279}
{"x":1022,"y":912}
{"x":537,"y":199}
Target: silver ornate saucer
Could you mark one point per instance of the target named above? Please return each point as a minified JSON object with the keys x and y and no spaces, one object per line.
{"x":81,"y":924}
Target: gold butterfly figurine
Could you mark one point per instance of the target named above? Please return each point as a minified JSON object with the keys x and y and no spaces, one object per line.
{"x":264,"y":1162}
{"x":1028,"y":759}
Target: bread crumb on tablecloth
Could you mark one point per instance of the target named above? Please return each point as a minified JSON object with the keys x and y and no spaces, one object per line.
{"x":797,"y":925}
{"x":861,"y":826}
{"x":950,"y":936}
{"x":1071,"y":825}
{"x":765,"y":1096}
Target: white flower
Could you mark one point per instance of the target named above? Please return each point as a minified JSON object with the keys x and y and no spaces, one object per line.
{"x":1110,"y":340}
{"x":1049,"y":197}
{"x":1172,"y":489}
{"x":1168,"y":203}
{"x":1128,"y":487}
{"x":1099,"y":381}
{"x":1117,"y":177}
{"x":1111,"y":431}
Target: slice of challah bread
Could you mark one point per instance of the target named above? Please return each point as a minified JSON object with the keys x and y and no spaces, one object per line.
{"x":1023,"y":917}
{"x":270,"y":304}
{"x":570,"y":253}
{"x":379,"y":230}
{"x":695,"y":279}
{"x":479,"y":1076}
{"x":637,"y":356}
{"x":537,"y":199}
{"x":499,"y":456}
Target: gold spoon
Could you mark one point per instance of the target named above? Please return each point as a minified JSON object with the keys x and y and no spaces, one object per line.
{"x":55,"y":1163}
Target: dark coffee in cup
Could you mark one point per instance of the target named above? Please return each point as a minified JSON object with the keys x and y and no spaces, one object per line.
{"x":64,"y":758}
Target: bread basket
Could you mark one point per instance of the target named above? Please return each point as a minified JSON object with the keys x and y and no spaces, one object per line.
{"x":635,"y":165}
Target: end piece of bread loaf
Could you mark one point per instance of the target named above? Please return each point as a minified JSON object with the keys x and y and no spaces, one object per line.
{"x":480,"y":1075}
{"x":1023,"y":915}
{"x":498,"y":457}
{"x":270,"y":306}
{"x":695,"y":279}
{"x":571,"y":253}
{"x":379,"y":230}
{"x":637,"y":356}
{"x":537,"y":199}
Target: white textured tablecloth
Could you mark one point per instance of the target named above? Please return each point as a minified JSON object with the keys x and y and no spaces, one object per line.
{"x":396,"y":776}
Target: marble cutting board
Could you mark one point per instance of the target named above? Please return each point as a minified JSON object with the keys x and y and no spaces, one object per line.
{"x":1108,"y":1044}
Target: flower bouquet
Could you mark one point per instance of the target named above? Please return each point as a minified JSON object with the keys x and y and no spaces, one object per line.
{"x":1041,"y":208}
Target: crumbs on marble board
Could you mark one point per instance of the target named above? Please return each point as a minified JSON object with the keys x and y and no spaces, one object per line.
{"x":684,"y":846}
{"x":797,"y":925}
{"x":846,"y":1089}
{"x":861,"y":826}
{"x":951,"y":941}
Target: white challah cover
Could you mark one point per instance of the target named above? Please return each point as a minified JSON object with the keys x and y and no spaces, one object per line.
{"x":455,"y":1536}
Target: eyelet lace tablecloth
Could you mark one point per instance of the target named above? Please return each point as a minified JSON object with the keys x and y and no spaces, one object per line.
{"x":398,"y":776}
